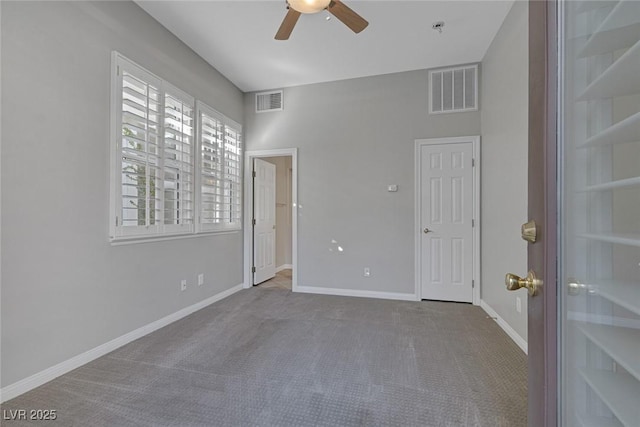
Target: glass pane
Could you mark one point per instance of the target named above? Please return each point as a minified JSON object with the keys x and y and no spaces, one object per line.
{"x":600,"y":214}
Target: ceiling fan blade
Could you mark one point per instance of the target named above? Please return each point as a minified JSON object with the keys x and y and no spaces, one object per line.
{"x":348,"y":17}
{"x":287,"y":25}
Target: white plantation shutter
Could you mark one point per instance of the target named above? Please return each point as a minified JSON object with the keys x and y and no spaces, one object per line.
{"x":178,"y":168}
{"x":220,"y":174}
{"x":232,"y":203}
{"x":138,"y":169}
{"x":211,"y":155}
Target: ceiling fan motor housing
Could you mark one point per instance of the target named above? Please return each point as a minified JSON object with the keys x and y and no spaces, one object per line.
{"x":309,"y":6}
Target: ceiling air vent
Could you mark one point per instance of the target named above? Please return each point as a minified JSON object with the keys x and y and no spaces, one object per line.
{"x":453,"y":90}
{"x":269,"y":101}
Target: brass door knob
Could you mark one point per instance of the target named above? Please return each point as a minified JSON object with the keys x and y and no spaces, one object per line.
{"x":531,"y":282}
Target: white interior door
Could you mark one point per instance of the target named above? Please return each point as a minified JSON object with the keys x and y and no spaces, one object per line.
{"x":264,"y":228}
{"x":446,"y":181}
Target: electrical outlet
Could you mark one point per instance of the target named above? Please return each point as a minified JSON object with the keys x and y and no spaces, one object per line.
{"x":518,"y":305}
{"x":183,"y":285}
{"x":200,"y":279}
{"x":367,"y":272}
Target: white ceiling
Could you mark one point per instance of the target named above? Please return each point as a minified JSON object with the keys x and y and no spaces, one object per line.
{"x":237,"y":38}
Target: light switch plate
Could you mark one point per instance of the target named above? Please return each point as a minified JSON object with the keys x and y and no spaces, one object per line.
{"x":392,"y":188}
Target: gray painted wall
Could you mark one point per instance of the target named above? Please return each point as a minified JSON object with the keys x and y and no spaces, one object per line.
{"x":504,"y":165}
{"x":65,"y":289}
{"x":355,"y":137}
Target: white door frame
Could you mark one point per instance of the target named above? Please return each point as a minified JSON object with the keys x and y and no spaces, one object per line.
{"x":248,"y":211}
{"x":419,"y":143}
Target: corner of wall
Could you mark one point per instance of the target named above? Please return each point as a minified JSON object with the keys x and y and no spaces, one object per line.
{"x":504,"y":125}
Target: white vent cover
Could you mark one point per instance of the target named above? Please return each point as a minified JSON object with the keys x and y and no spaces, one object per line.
{"x":269,"y":101}
{"x":453,"y":89}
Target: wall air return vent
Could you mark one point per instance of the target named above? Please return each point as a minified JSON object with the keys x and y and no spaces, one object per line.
{"x":452,"y":90}
{"x":269,"y":101}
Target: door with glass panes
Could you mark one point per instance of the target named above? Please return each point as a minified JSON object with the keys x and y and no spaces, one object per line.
{"x":584,"y":194}
{"x":599,"y":275}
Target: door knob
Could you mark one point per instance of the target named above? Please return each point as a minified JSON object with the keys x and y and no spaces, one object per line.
{"x":531,"y":282}
{"x":426,"y":230}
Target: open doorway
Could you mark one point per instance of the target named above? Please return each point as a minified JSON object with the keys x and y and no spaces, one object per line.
{"x":270,"y":233}
{"x":272,"y":266}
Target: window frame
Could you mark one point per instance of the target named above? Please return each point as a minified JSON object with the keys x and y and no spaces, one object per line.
{"x":119,"y":233}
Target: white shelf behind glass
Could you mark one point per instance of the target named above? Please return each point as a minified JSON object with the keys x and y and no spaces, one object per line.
{"x":622,"y":344}
{"x":621,"y":78}
{"x":620,"y":392}
{"x":627,"y":130}
{"x":619,"y":30}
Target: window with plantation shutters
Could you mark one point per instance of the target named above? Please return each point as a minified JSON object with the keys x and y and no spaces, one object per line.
{"x":171,"y":162}
{"x":220,"y":171}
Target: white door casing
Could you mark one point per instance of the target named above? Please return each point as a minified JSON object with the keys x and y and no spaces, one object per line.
{"x":264,"y":229}
{"x":447,"y":243}
{"x":248,"y":209}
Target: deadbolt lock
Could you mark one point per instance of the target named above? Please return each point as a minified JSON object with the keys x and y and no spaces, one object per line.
{"x":529,"y":231}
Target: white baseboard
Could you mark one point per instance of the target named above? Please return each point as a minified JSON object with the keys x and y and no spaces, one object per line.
{"x":356,"y":293}
{"x":36,"y":380}
{"x":520,"y":342}
{"x":284,"y":267}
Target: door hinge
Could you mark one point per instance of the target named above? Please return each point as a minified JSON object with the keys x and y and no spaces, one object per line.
{"x":253,"y":174}
{"x":253,"y":269}
{"x":116,"y":221}
{"x":253,"y":221}
{"x":473,"y":163}
{"x":473,"y":284}
{"x":473,"y":223}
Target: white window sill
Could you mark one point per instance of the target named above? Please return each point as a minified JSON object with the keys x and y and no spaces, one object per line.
{"x":134,"y":240}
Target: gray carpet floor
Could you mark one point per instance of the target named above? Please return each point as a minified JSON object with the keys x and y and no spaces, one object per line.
{"x":269,"y":357}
